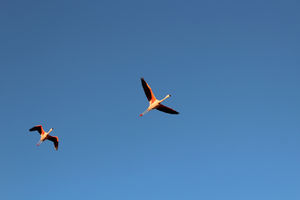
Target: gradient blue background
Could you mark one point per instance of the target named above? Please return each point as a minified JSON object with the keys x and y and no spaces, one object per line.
{"x":232,"y":68}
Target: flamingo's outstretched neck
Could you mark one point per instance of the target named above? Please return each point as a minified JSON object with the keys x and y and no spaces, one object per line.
{"x":51,"y":129}
{"x":165,"y":98}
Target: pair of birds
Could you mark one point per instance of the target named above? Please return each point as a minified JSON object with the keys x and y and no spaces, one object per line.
{"x":153,"y":104}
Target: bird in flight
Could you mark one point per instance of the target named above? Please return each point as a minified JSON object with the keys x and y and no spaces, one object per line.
{"x":153,"y":102}
{"x":45,"y":135}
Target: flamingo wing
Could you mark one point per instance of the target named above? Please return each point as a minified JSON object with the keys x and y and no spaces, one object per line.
{"x":54,"y":139}
{"x":148,"y":90}
{"x":38,"y":128}
{"x":166,"y":109}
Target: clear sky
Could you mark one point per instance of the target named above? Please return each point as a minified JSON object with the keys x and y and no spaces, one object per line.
{"x":232,"y":68}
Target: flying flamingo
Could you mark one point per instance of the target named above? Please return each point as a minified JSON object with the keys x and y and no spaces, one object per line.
{"x":153,"y":102}
{"x":45,"y":135}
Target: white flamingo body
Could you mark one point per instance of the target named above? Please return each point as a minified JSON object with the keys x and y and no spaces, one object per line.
{"x":156,"y":103}
{"x":45,"y":135}
{"x":153,"y":102}
{"x":153,"y":105}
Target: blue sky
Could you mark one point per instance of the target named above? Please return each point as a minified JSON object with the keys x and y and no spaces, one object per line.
{"x":232,"y":68}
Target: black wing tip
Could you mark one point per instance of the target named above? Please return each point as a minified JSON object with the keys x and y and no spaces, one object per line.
{"x":56,"y":145}
{"x":166,"y":109}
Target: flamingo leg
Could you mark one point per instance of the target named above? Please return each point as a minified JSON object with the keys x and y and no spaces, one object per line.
{"x":144,"y":112}
{"x":39,"y":143}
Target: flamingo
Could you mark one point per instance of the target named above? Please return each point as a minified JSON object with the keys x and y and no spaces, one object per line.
{"x":155,"y":103}
{"x":45,"y":135}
